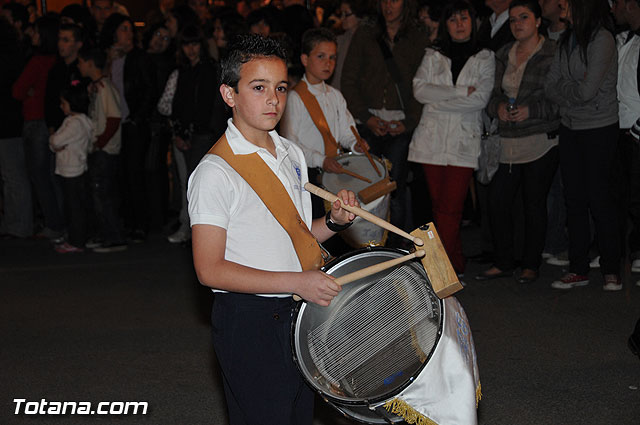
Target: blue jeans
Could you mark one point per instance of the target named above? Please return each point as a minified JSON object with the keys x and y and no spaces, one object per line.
{"x":16,"y":191}
{"x":103,"y":175}
{"x":75,"y":205}
{"x":41,"y":164}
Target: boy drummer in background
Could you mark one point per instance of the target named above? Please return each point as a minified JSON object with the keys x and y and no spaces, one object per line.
{"x":316,"y":117}
{"x":254,"y":241}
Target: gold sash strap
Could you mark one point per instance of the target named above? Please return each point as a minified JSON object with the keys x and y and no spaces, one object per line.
{"x":270,"y":190}
{"x":318,"y":118}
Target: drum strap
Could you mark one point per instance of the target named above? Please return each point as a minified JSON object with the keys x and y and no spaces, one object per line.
{"x":318,"y":118}
{"x":273,"y":194}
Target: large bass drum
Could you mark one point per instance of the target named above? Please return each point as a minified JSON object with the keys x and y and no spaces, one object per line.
{"x":373,"y":340}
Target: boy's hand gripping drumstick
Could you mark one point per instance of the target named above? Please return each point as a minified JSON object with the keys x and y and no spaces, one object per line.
{"x":328,"y":196}
{"x":364,"y":149}
{"x":368,"y":271}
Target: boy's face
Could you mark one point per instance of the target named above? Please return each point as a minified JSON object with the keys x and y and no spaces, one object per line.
{"x":320,"y":63}
{"x":68,"y":47}
{"x":260,"y":98}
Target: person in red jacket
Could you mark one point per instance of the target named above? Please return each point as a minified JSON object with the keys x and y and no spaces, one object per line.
{"x":30,"y":89}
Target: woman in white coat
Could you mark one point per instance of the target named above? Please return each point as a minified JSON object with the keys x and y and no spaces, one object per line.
{"x":454,"y":82}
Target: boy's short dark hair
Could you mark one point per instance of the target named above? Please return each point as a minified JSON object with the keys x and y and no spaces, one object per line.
{"x":98,"y":56}
{"x":75,"y":29}
{"x":312,"y":37}
{"x":244,"y":48}
{"x":77,"y":95}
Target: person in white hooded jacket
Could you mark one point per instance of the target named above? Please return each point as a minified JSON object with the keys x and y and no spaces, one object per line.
{"x":454,"y":82}
{"x":71,"y":145}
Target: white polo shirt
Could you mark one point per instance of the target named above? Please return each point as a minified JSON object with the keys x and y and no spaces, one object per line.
{"x":297,"y":125}
{"x":218,"y":196}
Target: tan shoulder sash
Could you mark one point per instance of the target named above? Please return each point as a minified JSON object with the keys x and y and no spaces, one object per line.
{"x":270,"y":190}
{"x":318,"y":118}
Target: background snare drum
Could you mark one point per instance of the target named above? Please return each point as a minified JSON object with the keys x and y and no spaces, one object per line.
{"x":362,"y":233}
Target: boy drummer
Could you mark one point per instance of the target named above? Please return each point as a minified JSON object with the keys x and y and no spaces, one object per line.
{"x":316,"y":117}
{"x":254,"y":241}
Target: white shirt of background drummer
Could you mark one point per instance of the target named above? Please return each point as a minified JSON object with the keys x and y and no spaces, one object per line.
{"x":296,"y":123}
{"x":218,"y":196}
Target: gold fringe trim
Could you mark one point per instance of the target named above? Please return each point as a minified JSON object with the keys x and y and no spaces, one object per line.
{"x":408,"y":413}
{"x":412,"y":416}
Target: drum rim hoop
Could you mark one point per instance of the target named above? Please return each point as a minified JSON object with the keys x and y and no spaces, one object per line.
{"x":389,"y":394}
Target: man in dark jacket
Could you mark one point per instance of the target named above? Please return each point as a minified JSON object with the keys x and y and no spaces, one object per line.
{"x":132,"y":73}
{"x":376,"y":83}
{"x":494,"y":31}
{"x":65,"y":70}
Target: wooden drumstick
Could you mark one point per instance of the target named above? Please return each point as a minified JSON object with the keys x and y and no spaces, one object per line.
{"x":364,"y":149}
{"x":328,"y":196}
{"x":368,"y":271}
{"x":352,"y":174}
{"x":371,"y":270}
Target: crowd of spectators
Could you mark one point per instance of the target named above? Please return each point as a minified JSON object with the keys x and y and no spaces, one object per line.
{"x":423,"y":82}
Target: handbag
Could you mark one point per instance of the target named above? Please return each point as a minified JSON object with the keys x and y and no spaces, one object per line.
{"x":490,"y":149}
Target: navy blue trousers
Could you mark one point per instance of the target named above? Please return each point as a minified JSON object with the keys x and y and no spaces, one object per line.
{"x":251,"y":337}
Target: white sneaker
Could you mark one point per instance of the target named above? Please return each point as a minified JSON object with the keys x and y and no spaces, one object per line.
{"x":182,"y":235}
{"x":546,"y":255}
{"x":595,"y":263}
{"x":561,"y":259}
{"x":612,"y":283}
{"x":635,"y":266}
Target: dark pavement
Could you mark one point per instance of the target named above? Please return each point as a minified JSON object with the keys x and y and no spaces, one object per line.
{"x":133,"y":326}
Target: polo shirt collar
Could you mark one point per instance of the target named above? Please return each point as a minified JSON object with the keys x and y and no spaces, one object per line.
{"x":241,"y":146}
{"x":315,"y":89}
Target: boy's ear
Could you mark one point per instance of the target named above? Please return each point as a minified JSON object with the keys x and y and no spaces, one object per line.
{"x":227,"y":94}
{"x":304,"y":58}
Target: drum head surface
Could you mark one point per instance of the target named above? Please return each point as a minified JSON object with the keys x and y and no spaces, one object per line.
{"x":359,"y":164}
{"x":375,"y":337}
